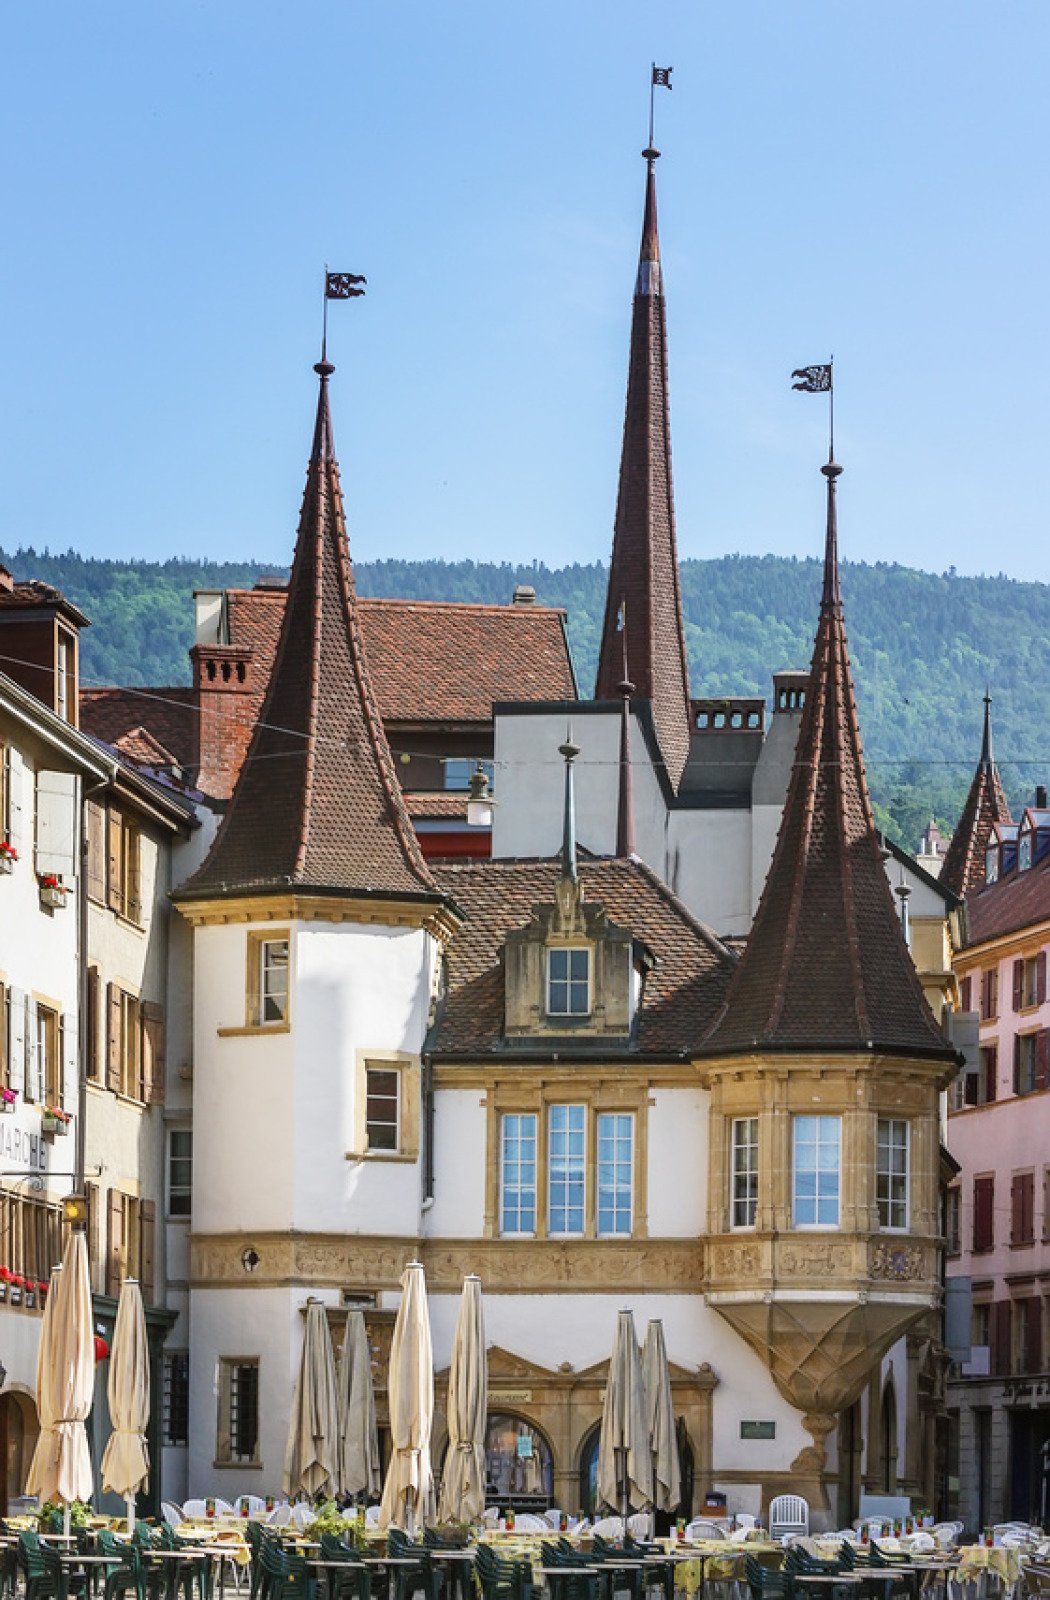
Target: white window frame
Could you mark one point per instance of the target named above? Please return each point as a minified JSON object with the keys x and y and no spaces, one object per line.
{"x":506,"y":1119}
{"x":743,"y":1176}
{"x":818,"y":1223}
{"x":390,"y":1069}
{"x":569,"y":951}
{"x":566,"y":1168}
{"x":179,"y":1188}
{"x":266,"y":967}
{"x":603,"y":1133}
{"x":886,"y":1205}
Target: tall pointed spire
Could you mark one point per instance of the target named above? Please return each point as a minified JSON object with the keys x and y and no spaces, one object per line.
{"x":317,"y":804}
{"x":826,"y":966}
{"x":964,"y":861}
{"x":643,"y":574}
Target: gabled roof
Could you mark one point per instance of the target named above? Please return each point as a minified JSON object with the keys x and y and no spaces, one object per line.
{"x":643,"y":606}
{"x":317,"y":804}
{"x":682,"y":993}
{"x":1018,"y":899}
{"x":169,"y":715}
{"x":826,"y":966}
{"x":35,"y":595}
{"x":963,"y":869}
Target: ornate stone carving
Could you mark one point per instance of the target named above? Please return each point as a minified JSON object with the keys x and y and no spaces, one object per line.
{"x":901,"y":1263}
{"x":735,"y":1260}
{"x":817,"y":1258}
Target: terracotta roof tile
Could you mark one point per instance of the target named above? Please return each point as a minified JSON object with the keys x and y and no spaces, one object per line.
{"x":643,"y":573}
{"x":168,"y":715}
{"x":1017,"y":900}
{"x":963,"y":869}
{"x":682,"y":994}
{"x":825,"y":966}
{"x":317,"y":804}
{"x":435,"y":803}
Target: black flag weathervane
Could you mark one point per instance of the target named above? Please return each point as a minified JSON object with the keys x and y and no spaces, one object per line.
{"x":338,"y":286}
{"x":661,"y":79}
{"x":820,"y":380}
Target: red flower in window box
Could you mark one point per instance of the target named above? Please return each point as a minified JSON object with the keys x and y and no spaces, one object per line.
{"x":42,"y":1288}
{"x":6,"y":1274}
{"x":101,"y":1347}
{"x":7,"y":849}
{"x":48,"y":880}
{"x":18,"y":1281}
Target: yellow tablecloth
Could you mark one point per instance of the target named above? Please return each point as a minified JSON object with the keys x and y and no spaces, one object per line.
{"x":974,"y":1559}
{"x":221,"y":1533}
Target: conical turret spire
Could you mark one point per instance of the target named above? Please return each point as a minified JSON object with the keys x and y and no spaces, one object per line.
{"x":826,"y":966}
{"x":317,"y":804}
{"x":964,"y":861}
{"x":644,"y":587}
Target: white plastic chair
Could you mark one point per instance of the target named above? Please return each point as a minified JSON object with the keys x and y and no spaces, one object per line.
{"x":372,"y":1517}
{"x":922,"y":1542}
{"x":223,"y":1508}
{"x":609,"y":1528}
{"x":280,"y":1516}
{"x":788,"y":1514}
{"x":640,"y":1525}
{"x":490,"y":1516}
{"x":254,"y":1502}
{"x":172,"y":1513}
{"x":528,"y":1522}
{"x":552,"y":1518}
{"x":194,"y":1508}
{"x":744,"y":1519}
{"x":704,"y":1528}
{"x":303,"y":1514}
{"x":945,"y":1535}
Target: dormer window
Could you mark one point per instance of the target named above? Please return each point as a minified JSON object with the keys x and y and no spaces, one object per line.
{"x":569,"y":982}
{"x":991,"y":864}
{"x":1024,"y":851}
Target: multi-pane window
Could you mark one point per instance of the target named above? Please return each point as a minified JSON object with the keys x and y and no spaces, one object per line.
{"x":180,"y":1171}
{"x":1030,"y":1061}
{"x":238,"y":1431}
{"x":382,"y":1108}
{"x":518,"y":1173}
{"x":566,"y":1162}
{"x":743,"y":1182}
{"x":273,"y":980}
{"x":891,"y":1172}
{"x":816,"y":1171}
{"x":569,"y":982}
{"x":176,"y":1397}
{"x":49,"y":1054}
{"x":615,"y":1171}
{"x":30,"y":1235}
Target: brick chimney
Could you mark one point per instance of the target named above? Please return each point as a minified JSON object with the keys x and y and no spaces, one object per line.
{"x":222,"y":678}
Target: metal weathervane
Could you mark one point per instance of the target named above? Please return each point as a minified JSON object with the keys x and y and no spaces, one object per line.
{"x":820,"y":380}
{"x":338,"y":286}
{"x":661,"y":79}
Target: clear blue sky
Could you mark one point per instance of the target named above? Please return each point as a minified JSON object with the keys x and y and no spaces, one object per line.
{"x":864,"y":178}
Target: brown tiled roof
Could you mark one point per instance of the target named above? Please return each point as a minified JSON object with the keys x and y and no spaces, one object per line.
{"x":1018,"y":900}
{"x":963,"y":869}
{"x":825,"y":966}
{"x":169,"y":715}
{"x":139,"y":745}
{"x":643,"y":574}
{"x":35,"y":595}
{"x":682,"y":993}
{"x":317,"y":804}
{"x":436,"y":803}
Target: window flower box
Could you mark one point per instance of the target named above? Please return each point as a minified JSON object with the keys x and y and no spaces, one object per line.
{"x":53,"y":1120}
{"x":52,"y":893}
{"x":8,"y":856}
{"x":8,"y":1099}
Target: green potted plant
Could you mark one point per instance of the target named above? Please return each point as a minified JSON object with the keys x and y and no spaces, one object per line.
{"x":54,"y":1120}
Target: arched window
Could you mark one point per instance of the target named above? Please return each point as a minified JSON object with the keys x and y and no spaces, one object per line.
{"x":589,"y":1472}
{"x":519,"y":1464}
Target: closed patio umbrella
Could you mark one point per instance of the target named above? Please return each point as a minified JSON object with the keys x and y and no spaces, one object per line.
{"x":625,"y":1475}
{"x":125,"y":1460}
{"x":359,"y":1468}
{"x":311,"y":1460}
{"x":463,"y":1480}
{"x":659,"y":1410}
{"x":408,"y":1493}
{"x":65,"y":1381}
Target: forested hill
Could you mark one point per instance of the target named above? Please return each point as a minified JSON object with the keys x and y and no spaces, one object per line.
{"x":923,"y":646}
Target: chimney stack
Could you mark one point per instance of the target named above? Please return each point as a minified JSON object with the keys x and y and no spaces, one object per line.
{"x":1040,"y":796}
{"x":524,"y":595}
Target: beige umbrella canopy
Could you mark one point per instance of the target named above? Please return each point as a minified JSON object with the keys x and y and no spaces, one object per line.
{"x":625,"y":1474}
{"x":659,"y":1411}
{"x":359,"y":1466}
{"x":463,"y":1480}
{"x":125,"y":1460}
{"x":65,"y":1381}
{"x":408,"y":1493}
{"x":311,"y":1459}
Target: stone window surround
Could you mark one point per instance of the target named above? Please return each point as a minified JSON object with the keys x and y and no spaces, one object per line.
{"x":595,"y":1096}
{"x":255,"y":938}
{"x":407,"y":1066}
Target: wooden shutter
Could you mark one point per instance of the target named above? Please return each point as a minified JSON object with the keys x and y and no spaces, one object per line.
{"x":12,"y":823}
{"x":33,"y":1063}
{"x":4,"y":1033}
{"x":993,"y":992}
{"x":96,"y":850}
{"x":1027,"y":1207}
{"x":93,"y":1063}
{"x":1040,"y":977}
{"x":1016,"y":1210}
{"x":984,"y":995}
{"x":1000,"y":1331}
{"x":983,"y":1202}
{"x":16,"y":1039}
{"x":147,"y":1246}
{"x":114,"y":1241}
{"x":1017,"y":1063}
{"x":1033,"y":1351}
{"x":966,"y":994}
{"x":1040,"y":1060}
{"x":114,"y":1039}
{"x":152,"y":1053}
{"x":114,"y":889}
{"x":133,"y":866}
{"x":1018,"y":985}
{"x":991,"y":1072}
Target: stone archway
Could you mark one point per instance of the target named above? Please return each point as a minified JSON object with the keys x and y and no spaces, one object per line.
{"x":19,"y":1428}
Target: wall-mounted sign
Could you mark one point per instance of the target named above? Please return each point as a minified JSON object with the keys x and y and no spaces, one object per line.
{"x":510,"y":1397}
{"x":758,"y":1430}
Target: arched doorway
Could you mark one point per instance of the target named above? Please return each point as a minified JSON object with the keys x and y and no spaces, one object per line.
{"x":850,"y":1446}
{"x":519,"y":1462}
{"x":888,"y":1439}
{"x":19,"y":1427}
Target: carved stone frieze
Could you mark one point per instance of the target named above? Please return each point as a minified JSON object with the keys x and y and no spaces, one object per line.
{"x":814,"y":1258}
{"x":899,"y":1263}
{"x":735,"y":1260}
{"x":668,"y":1266}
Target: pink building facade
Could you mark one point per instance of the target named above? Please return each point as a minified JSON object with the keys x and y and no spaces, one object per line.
{"x":998,"y":1213}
